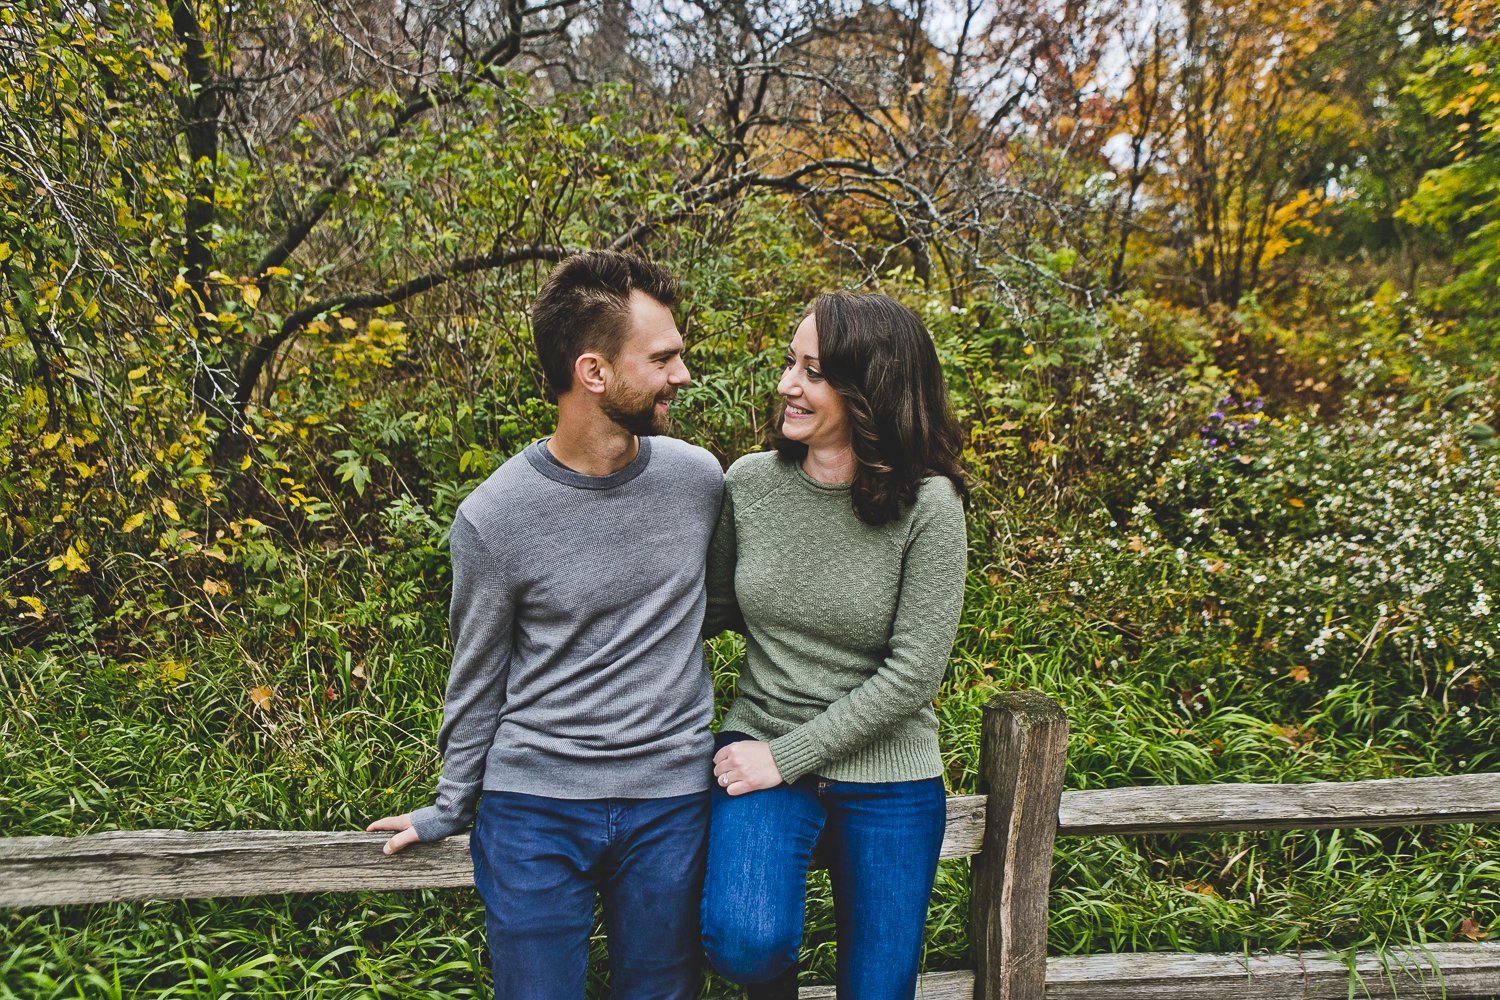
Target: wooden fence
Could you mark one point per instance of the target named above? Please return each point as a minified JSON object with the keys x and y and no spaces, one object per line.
{"x":1009,"y":831}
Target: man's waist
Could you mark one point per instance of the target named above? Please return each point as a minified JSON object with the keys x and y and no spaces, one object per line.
{"x":676,"y":765}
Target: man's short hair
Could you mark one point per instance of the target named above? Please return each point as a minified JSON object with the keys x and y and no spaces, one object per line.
{"x":584,"y":305}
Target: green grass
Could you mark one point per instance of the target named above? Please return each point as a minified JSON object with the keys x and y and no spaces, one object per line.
{"x":173,"y":739}
{"x":419,"y":944}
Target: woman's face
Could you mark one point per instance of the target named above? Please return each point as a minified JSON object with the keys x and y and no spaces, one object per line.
{"x":815,"y":414}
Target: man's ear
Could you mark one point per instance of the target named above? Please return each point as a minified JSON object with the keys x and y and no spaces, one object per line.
{"x":591,"y":372}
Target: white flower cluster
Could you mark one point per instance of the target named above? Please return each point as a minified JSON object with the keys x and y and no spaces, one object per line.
{"x":1370,"y":537}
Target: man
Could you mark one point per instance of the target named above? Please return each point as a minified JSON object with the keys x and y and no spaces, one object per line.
{"x":575,"y":727}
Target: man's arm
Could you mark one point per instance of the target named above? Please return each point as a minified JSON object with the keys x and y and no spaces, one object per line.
{"x":723,"y":609}
{"x":481,"y":619}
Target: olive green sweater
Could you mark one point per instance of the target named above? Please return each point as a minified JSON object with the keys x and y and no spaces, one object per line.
{"x":848,"y":627}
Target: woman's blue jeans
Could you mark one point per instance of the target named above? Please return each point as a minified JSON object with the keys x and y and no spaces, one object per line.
{"x":880,"y":842}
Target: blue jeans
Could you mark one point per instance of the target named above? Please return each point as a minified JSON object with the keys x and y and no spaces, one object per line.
{"x":880,"y":842}
{"x":539,"y":863}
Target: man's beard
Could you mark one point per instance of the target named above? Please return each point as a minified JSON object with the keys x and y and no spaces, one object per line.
{"x":635,"y":411}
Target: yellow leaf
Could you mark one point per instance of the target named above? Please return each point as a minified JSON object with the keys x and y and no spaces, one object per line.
{"x":136,"y":373}
{"x":132,"y":522}
{"x":347,"y":323}
{"x":173,"y":671}
{"x":1295,"y":502}
{"x":280,"y":272}
{"x":245,"y":462}
{"x":213,"y":587}
{"x":169,"y":508}
{"x":1028,"y":350}
{"x":1300,"y":675}
{"x":49,"y":441}
{"x":179,"y":286}
{"x":35,"y":604}
{"x":70,"y":560}
{"x":4,"y":251}
{"x":162,"y":69}
{"x":163,"y":20}
{"x":261,"y":697}
{"x":251,"y":295}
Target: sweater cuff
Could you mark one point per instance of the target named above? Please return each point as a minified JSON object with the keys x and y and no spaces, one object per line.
{"x":436,"y":822}
{"x":795,"y":754}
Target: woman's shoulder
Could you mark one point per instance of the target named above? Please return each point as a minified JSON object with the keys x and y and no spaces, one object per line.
{"x":938,"y":506}
{"x":757,"y":467}
{"x":755,"y":476}
{"x":938,"y":492}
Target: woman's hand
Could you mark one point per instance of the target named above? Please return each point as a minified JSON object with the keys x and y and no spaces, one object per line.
{"x":746,"y":766}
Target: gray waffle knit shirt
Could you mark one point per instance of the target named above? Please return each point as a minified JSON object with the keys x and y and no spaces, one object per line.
{"x":578,"y":602}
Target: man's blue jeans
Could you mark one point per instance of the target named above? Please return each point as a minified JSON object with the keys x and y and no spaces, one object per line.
{"x":538,"y":865}
{"x":880,"y":842}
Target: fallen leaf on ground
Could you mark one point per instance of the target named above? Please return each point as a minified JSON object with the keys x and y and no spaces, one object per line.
{"x":1469,"y":928}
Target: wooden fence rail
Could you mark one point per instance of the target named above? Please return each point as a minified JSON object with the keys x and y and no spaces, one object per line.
{"x":1009,"y":830}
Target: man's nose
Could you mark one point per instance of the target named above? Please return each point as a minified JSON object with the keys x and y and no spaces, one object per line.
{"x":679,"y":374}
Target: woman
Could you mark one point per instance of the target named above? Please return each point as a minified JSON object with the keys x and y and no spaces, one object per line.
{"x":840,"y":556}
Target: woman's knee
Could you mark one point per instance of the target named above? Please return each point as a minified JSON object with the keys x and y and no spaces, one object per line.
{"x":749,"y":950}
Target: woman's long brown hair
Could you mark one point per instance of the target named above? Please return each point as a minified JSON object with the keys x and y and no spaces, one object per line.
{"x":877,"y":355}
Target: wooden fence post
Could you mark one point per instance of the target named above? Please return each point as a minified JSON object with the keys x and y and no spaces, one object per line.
{"x":1023,"y":747}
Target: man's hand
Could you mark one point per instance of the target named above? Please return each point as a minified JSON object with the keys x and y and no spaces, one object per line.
{"x":746,"y":766}
{"x":404,"y":834}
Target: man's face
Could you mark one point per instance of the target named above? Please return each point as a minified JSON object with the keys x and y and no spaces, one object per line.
{"x":646,"y":375}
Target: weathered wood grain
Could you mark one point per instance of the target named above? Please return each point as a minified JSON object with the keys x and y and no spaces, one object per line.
{"x":1023,"y":739}
{"x":1442,"y":970}
{"x":965,"y":830}
{"x":170,"y":864}
{"x":1460,"y":798}
{"x":167,"y":864}
{"x":933,"y":986}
